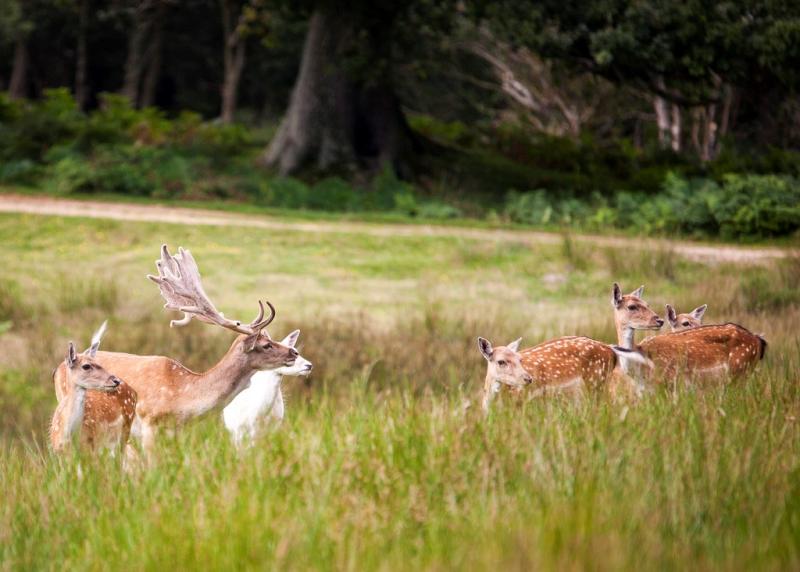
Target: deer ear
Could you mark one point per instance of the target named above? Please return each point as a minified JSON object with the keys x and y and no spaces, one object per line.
{"x":514,"y":346}
{"x":638,"y":292}
{"x":700,"y":311}
{"x":485,"y":346}
{"x":671,"y":316}
{"x":91,"y":351}
{"x":72,"y":356}
{"x":291,"y":339}
{"x":616,"y":295}
{"x":250,"y":342}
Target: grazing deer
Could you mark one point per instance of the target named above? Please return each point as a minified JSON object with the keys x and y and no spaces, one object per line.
{"x":563,"y":365}
{"x":170,"y":393}
{"x":262,"y":400}
{"x":680,"y":322}
{"x":702,"y":353}
{"x":98,"y":405}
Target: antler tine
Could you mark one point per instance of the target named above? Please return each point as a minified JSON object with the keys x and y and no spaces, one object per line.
{"x":181,"y":287}
{"x":259,"y":324}
{"x":260,"y":315}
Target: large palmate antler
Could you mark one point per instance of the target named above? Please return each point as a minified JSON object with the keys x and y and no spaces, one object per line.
{"x":179,"y":282}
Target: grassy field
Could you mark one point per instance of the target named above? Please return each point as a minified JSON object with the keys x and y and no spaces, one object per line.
{"x":384,"y":460}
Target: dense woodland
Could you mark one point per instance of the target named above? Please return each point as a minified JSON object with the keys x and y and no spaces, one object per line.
{"x":599,"y":113}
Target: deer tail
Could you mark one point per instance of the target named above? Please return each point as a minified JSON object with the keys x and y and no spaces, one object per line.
{"x":763,"y":342}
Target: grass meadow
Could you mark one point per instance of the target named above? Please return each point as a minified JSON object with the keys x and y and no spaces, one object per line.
{"x":384,"y":460}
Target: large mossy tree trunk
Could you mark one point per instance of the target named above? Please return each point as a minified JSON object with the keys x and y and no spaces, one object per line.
{"x":334,"y":120}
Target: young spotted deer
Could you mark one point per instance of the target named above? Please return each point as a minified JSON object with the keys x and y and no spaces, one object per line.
{"x":172,"y":394}
{"x":680,"y":322}
{"x":263,"y":400}
{"x":564,"y":365}
{"x":98,"y":406}
{"x":701,"y":353}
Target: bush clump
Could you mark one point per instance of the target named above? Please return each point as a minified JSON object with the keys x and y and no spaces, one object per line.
{"x":741,"y":206}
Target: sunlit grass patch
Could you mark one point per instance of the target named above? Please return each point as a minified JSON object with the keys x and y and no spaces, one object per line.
{"x":384,"y":460}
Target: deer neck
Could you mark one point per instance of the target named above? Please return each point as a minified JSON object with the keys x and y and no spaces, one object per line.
{"x":74,"y":413}
{"x":490,"y":388}
{"x":222,"y":382}
{"x":625,"y":335}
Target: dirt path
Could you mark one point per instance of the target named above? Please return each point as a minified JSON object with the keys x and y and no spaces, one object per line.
{"x":10,"y":203}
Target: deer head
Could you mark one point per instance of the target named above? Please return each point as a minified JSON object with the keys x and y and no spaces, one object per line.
{"x":84,"y":372}
{"x":503,"y":364}
{"x":301,"y":366}
{"x":632,"y":313}
{"x":680,"y":322}
{"x":180,"y":285}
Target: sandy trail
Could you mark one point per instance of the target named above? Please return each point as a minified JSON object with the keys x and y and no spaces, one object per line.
{"x":10,"y":203}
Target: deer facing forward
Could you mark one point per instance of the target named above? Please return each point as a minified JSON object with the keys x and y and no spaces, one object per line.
{"x":564,"y":365}
{"x":98,"y":406}
{"x":262,"y":401}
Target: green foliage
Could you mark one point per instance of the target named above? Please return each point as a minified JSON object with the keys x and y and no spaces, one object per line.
{"x":32,"y":128}
{"x":743,"y":206}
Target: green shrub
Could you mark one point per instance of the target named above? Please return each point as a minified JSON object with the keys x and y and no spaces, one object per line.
{"x":40,"y":125}
{"x":533,"y":207}
{"x":70,"y":175}
{"x":438,"y":211}
{"x":758,"y":206}
{"x":22,"y":171}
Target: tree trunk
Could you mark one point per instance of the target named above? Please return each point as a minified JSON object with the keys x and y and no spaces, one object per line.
{"x":333,"y":120}
{"x":81,"y":65}
{"x":134,"y":63}
{"x":18,"y":85}
{"x":153,"y":73}
{"x":233,"y":56}
{"x":675,"y":128}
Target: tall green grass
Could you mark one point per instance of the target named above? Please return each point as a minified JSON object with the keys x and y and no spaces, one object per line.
{"x":384,"y":460}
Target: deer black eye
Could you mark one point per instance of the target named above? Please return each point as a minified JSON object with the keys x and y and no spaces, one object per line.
{"x":632,"y":307}
{"x":501,"y":363}
{"x":268,"y":346}
{"x":86,"y":367}
{"x":685,"y":324}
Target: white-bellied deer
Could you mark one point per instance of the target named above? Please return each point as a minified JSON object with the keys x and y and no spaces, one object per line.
{"x":262,"y":401}
{"x":564,"y":365}
{"x":680,"y":322}
{"x":98,"y":407}
{"x":701,"y":353}
{"x":170,"y":393}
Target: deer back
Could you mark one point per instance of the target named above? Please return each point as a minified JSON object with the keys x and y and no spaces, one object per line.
{"x":569,"y":361}
{"x":727,"y":350}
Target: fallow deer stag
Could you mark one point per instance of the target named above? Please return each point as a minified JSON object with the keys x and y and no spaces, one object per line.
{"x":680,"y":322}
{"x":564,"y":365}
{"x":170,"y":393}
{"x":262,"y":401}
{"x":701,"y":353}
{"x":99,"y":407}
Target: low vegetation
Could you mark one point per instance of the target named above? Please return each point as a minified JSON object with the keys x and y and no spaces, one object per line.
{"x":384,"y":460}
{"x":48,"y":145}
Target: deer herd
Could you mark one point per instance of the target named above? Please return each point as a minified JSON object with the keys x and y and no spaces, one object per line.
{"x":105,"y":397}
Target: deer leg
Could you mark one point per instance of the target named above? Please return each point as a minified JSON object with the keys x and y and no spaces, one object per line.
{"x":148,"y":440}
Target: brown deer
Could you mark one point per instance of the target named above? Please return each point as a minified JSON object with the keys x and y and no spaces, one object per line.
{"x":701,"y":353}
{"x":170,"y":393}
{"x":564,"y":365}
{"x":98,"y":405}
{"x":680,"y":322}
